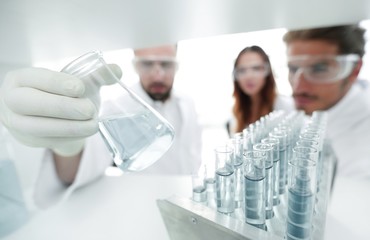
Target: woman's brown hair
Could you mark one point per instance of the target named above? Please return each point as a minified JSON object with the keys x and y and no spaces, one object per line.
{"x":243,"y":103}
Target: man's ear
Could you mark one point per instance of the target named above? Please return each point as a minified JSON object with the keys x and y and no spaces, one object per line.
{"x":356,"y":71}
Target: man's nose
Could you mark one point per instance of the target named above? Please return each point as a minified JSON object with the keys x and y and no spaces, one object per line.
{"x":157,"y":70}
{"x":298,"y":80}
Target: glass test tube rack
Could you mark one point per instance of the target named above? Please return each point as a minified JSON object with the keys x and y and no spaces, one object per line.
{"x":187,"y":219}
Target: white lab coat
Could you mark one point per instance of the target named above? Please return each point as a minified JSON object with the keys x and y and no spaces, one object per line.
{"x":348,"y":130}
{"x":40,"y":184}
{"x":30,"y":181}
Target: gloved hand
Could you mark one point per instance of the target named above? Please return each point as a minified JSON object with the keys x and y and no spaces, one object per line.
{"x":55,"y":110}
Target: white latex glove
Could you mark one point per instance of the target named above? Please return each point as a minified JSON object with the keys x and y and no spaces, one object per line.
{"x":55,"y":110}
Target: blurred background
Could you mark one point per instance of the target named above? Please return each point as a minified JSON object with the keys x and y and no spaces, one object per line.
{"x":205,"y":73}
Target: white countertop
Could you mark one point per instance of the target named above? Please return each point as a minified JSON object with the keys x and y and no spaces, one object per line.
{"x":111,"y":208}
{"x":124,"y":207}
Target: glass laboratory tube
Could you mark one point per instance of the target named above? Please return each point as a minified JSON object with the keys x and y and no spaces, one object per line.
{"x":269,"y":160}
{"x":310,"y":134}
{"x":289,"y":146}
{"x":298,"y":120}
{"x":274,"y":142}
{"x":247,"y":140}
{"x":306,"y":153}
{"x":320,"y":117}
{"x":237,"y":144}
{"x":312,"y":153}
{"x":307,"y":143}
{"x":254,"y":188}
{"x":199,"y":188}
{"x":282,"y":137}
{"x":263,"y":127}
{"x":225,"y":180}
{"x":136,"y":134}
{"x":315,"y":133}
{"x":301,"y":198}
{"x":253,"y":132}
{"x":210,"y":184}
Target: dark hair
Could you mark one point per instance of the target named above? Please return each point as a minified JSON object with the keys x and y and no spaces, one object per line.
{"x":348,"y":38}
{"x":243,"y":103}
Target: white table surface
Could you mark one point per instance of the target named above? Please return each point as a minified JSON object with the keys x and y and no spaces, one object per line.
{"x":111,"y":208}
{"x":124,"y":207}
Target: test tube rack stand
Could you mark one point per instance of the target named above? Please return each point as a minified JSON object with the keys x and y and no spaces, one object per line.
{"x":185,"y":219}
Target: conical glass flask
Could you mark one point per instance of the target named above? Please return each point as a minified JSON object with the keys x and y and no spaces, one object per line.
{"x":136,"y":134}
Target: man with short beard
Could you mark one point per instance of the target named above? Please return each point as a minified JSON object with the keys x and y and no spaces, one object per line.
{"x":324,"y":64}
{"x":156,"y":68}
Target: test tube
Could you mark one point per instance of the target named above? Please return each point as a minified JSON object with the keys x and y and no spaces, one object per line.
{"x":315,"y":134}
{"x":274,"y":142}
{"x":237,"y":144}
{"x":305,"y":152}
{"x":307,"y":143}
{"x":269,"y":159}
{"x":301,"y":198}
{"x":199,"y":189}
{"x":247,"y":140}
{"x":254,"y":188}
{"x":289,"y":146}
{"x":210,"y":184}
{"x":225,"y":185}
{"x":282,"y":137}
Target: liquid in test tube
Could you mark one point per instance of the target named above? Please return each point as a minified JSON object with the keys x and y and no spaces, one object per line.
{"x":254,"y":189}
{"x":274,"y":142}
{"x":301,"y":198}
{"x":268,"y":150}
{"x":282,"y":137}
{"x":225,"y":180}
{"x":199,"y":189}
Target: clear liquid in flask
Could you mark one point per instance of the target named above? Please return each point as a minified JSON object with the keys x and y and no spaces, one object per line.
{"x":136,"y":141}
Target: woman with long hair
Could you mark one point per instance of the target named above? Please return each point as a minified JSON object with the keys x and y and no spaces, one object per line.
{"x":255,"y":92}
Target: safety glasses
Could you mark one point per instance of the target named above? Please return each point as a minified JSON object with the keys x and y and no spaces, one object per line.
{"x":323,"y":68}
{"x":148,"y":65}
{"x":256,"y":70}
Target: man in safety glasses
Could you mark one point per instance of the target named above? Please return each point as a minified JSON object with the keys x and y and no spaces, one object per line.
{"x":156,"y":68}
{"x":323,"y":65}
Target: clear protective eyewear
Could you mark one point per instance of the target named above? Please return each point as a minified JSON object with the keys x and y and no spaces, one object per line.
{"x":257,"y":70}
{"x":146,"y":65}
{"x":323,"y":68}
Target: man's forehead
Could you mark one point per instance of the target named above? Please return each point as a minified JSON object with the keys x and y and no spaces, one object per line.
{"x":312,"y":47}
{"x":164,"y":51}
{"x":155,"y":58}
{"x":311,"y":59}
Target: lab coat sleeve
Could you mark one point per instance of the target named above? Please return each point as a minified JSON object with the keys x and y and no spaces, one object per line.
{"x":49,"y":190}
